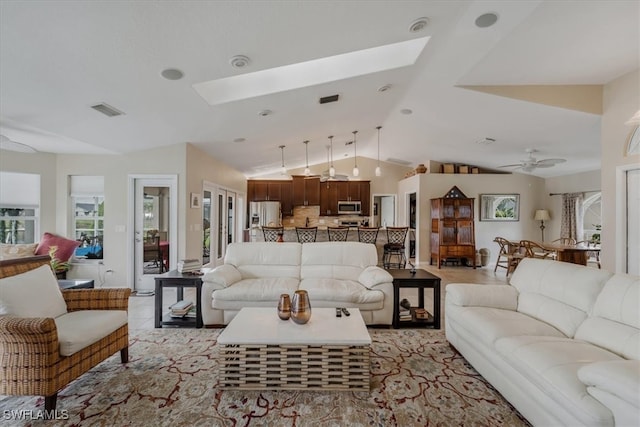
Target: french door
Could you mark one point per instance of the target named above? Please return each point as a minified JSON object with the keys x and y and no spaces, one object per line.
{"x":153,"y":228}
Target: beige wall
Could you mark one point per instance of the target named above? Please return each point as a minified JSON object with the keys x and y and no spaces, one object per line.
{"x":577,"y":183}
{"x":428,"y":186}
{"x":172,"y":160}
{"x":116,"y":169}
{"x":38,"y":163}
{"x":621,"y":101}
{"x":203,"y":167}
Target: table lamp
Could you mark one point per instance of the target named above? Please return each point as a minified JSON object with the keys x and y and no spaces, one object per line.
{"x":542,"y":215}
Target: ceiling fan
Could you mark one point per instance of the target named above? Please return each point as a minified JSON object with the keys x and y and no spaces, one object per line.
{"x":531,"y":163}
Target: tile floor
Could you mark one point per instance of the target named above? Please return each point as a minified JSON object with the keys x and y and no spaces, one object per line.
{"x":141,"y":308}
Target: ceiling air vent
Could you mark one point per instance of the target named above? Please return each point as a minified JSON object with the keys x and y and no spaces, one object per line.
{"x":107,"y":110}
{"x":327,"y":99}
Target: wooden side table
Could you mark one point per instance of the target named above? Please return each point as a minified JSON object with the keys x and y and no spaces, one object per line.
{"x":173,"y":279}
{"x":422,"y":279}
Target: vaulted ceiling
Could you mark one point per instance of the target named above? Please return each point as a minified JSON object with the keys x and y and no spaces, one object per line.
{"x":532,"y":80}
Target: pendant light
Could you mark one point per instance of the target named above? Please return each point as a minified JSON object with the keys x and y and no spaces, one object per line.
{"x":283,"y":170}
{"x":307,"y":171}
{"x":356,"y":171}
{"x":378,"y":170}
{"x":332,"y":170}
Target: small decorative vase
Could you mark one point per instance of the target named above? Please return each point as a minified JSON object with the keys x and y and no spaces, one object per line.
{"x":300,"y":307}
{"x":421,"y":168}
{"x":280,"y":239}
{"x":284,"y":307}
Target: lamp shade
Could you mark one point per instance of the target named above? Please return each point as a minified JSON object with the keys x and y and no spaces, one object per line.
{"x":542,"y":215}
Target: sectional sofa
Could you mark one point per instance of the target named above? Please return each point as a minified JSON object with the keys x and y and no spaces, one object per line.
{"x":561,"y":342}
{"x":335,"y":274}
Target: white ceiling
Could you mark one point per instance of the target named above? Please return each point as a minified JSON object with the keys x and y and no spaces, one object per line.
{"x":57,"y":58}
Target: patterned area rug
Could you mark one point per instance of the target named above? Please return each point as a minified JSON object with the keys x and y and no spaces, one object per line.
{"x":417,"y":379}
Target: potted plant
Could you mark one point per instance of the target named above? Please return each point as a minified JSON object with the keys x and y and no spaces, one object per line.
{"x":595,"y":237}
{"x":60,"y":268}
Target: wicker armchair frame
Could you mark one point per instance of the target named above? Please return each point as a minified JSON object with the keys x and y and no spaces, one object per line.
{"x":30,"y":360}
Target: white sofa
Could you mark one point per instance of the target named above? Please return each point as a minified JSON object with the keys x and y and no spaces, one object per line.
{"x":335,"y":274}
{"x":561,"y":343}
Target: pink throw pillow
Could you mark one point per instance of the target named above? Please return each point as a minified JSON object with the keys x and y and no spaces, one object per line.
{"x":66,"y":247}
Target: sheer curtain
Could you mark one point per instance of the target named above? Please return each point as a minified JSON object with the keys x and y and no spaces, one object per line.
{"x":571,"y":225}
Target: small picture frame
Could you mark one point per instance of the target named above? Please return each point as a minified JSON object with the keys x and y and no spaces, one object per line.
{"x":499,"y":207}
{"x":195,"y":200}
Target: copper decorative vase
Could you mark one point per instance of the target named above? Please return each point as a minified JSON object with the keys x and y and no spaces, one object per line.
{"x":284,"y":307}
{"x":300,"y":307}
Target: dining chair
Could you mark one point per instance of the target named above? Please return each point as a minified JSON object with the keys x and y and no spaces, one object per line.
{"x":536,"y":250}
{"x":272,"y":233}
{"x":509,"y":255}
{"x":394,"y":248}
{"x":368,"y":234}
{"x":338,"y":234}
{"x":151,"y":251}
{"x":593,"y":257}
{"x":565,"y":241}
{"x":306,"y":234}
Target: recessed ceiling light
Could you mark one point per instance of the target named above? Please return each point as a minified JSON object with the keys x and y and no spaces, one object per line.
{"x":486,"y":20}
{"x":384,"y":88}
{"x":418,"y":25}
{"x":239,"y":140}
{"x":406,"y":111}
{"x":239,"y":61}
{"x":264,"y":113}
{"x":172,"y":74}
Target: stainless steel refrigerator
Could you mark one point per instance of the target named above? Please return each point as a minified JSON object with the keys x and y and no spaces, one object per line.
{"x":263,"y":213}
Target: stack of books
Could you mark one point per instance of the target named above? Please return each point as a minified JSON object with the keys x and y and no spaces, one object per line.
{"x":404,"y":314}
{"x":189,"y":266}
{"x":181,"y":308}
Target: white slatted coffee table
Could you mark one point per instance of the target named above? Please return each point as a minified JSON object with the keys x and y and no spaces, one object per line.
{"x":259,"y":351}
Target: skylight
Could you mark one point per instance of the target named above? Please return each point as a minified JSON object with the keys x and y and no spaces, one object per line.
{"x":310,"y":73}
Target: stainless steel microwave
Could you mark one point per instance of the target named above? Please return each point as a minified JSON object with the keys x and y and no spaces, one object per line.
{"x":349,"y":207}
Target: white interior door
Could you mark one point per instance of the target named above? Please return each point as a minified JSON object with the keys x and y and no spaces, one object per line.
{"x":155,"y":212}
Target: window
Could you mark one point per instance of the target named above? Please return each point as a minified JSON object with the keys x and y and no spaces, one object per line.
{"x":19,"y":207}
{"x":87,"y":200}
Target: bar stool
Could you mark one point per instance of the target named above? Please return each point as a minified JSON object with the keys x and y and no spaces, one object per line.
{"x":368,"y":234}
{"x":271,"y":234}
{"x":394,"y":248}
{"x":338,"y":234}
{"x":306,"y":234}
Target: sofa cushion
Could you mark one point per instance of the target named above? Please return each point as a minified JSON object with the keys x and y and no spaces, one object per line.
{"x":615,"y":321}
{"x":495,"y":296}
{"x":34,"y":293}
{"x":336,"y":260}
{"x":559,"y":293}
{"x":490,"y":324}
{"x":552,"y":364}
{"x":19,"y":250}
{"x":265,"y":259}
{"x":266,"y":290}
{"x":66,"y":247}
{"x":349,"y":293}
{"x":80,"y":329}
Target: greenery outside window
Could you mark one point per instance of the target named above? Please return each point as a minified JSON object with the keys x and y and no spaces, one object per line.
{"x":19,"y":207}
{"x":87,"y":203}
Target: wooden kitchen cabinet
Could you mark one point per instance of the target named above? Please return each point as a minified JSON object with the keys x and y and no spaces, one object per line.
{"x":333,"y":191}
{"x":452,"y":227}
{"x":328,"y":199}
{"x":305,"y":191}
{"x":271,"y":190}
{"x":286,"y":198}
